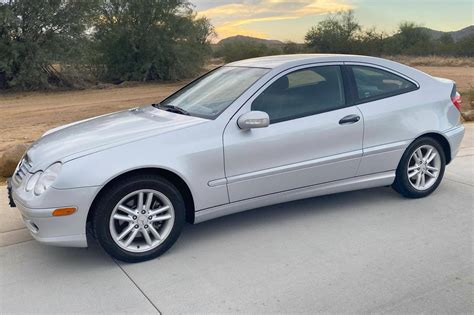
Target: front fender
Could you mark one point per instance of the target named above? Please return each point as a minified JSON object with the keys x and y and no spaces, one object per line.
{"x":195,"y":162}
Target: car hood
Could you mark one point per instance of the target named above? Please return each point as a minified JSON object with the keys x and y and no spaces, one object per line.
{"x":91,"y":135}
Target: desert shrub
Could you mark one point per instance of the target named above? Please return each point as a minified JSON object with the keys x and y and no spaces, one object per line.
{"x":342,"y":33}
{"x":34,"y":35}
{"x":411,"y":39}
{"x":465,"y":46}
{"x":149,"y":40}
{"x":369,"y":42}
{"x":445,"y":45}
{"x":290,"y":47}
{"x":335,"y":34}
{"x":70,"y":43}
{"x":238,"y":50}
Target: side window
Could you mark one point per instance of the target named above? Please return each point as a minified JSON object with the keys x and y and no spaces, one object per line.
{"x":302,"y":93}
{"x":377,"y":83}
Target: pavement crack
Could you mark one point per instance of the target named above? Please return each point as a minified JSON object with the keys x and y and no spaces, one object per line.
{"x":13,"y":230}
{"x":13,"y":244}
{"x":136,"y":285}
{"x":459,"y":182}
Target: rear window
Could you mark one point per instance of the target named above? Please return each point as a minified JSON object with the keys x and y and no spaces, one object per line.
{"x":453,"y":91}
{"x":374,"y":83}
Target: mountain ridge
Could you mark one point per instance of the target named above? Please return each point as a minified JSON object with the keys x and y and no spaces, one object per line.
{"x":435,"y":34}
{"x":456,"y":35}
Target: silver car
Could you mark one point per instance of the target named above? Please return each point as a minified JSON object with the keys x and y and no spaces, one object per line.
{"x":249,"y":134}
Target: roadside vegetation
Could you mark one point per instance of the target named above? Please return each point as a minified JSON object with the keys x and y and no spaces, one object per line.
{"x":72,"y":44}
{"x":77,"y":44}
{"x":342,"y":33}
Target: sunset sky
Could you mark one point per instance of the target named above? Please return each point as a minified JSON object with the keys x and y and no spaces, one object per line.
{"x":290,"y":20}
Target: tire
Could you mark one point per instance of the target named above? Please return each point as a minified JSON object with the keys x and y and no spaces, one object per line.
{"x":405,"y":183}
{"x":118,"y":211}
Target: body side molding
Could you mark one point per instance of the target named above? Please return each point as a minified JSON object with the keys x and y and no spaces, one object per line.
{"x":355,"y":183}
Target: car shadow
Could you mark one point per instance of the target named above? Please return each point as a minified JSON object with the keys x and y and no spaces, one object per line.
{"x":247,"y":221}
{"x":295,"y":211}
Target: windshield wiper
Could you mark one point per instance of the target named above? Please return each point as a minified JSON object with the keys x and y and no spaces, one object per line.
{"x":172,"y":109}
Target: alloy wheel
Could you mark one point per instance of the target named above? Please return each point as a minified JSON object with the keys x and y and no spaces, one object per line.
{"x":142,"y":220}
{"x":424,"y":167}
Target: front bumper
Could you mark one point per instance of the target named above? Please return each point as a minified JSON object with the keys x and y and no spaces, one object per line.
{"x":70,"y":230}
{"x":52,"y":230}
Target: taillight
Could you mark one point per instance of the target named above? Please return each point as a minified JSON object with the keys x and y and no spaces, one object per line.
{"x":457,"y":101}
{"x":456,"y":98}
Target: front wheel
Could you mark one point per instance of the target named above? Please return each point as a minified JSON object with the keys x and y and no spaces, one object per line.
{"x":139,"y":219}
{"x":421,"y":169}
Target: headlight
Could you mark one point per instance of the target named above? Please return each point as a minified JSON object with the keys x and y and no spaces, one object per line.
{"x":47,"y":178}
{"x":32,"y":181}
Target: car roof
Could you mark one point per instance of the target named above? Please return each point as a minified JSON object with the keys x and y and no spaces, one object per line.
{"x":279,"y":61}
{"x":283,"y":62}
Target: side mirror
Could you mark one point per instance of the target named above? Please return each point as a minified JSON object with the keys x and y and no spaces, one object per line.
{"x":254,"y":119}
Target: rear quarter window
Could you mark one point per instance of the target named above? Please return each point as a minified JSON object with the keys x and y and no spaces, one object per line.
{"x":373,"y":83}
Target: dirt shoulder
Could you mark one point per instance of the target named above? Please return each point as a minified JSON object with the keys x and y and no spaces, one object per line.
{"x":26,"y":116}
{"x":464,"y":76}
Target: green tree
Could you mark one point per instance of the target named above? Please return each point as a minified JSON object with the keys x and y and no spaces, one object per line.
{"x":336,"y":34}
{"x":8,"y":23}
{"x":370,"y":42}
{"x":411,"y":39}
{"x":150,"y":40}
{"x":465,"y":46}
{"x":445,"y":45}
{"x":36,"y":36}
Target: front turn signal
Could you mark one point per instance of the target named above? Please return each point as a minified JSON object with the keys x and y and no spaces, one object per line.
{"x":64,"y":211}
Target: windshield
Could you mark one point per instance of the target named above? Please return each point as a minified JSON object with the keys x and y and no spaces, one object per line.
{"x":212,"y":93}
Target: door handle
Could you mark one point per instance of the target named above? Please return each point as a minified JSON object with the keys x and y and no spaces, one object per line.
{"x":349,"y":119}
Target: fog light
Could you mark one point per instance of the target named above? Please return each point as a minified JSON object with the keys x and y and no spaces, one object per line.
{"x":63,"y":211}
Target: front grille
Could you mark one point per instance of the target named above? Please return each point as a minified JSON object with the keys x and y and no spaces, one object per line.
{"x":23,"y":169}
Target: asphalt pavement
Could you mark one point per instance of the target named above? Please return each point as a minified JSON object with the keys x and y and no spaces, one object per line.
{"x":357,"y":252}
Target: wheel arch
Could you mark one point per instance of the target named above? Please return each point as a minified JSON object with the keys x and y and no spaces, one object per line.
{"x":174,"y":178}
{"x":441,"y":139}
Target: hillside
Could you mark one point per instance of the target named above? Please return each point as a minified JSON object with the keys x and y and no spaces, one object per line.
{"x":456,"y":35}
{"x":268,"y":42}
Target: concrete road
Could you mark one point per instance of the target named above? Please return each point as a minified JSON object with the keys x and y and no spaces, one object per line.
{"x":357,"y":252}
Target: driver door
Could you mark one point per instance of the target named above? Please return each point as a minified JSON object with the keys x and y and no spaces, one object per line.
{"x":314,"y":137}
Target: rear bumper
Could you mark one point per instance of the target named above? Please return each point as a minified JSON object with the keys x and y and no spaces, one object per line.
{"x":455,"y":136}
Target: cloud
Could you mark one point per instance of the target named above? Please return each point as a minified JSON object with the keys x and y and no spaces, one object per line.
{"x":234,"y":18}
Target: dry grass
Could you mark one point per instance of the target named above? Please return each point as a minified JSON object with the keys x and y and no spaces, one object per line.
{"x":434,"y":61}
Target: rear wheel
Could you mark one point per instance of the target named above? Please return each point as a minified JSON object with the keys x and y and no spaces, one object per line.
{"x":421,"y":169}
{"x":139,"y":219}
